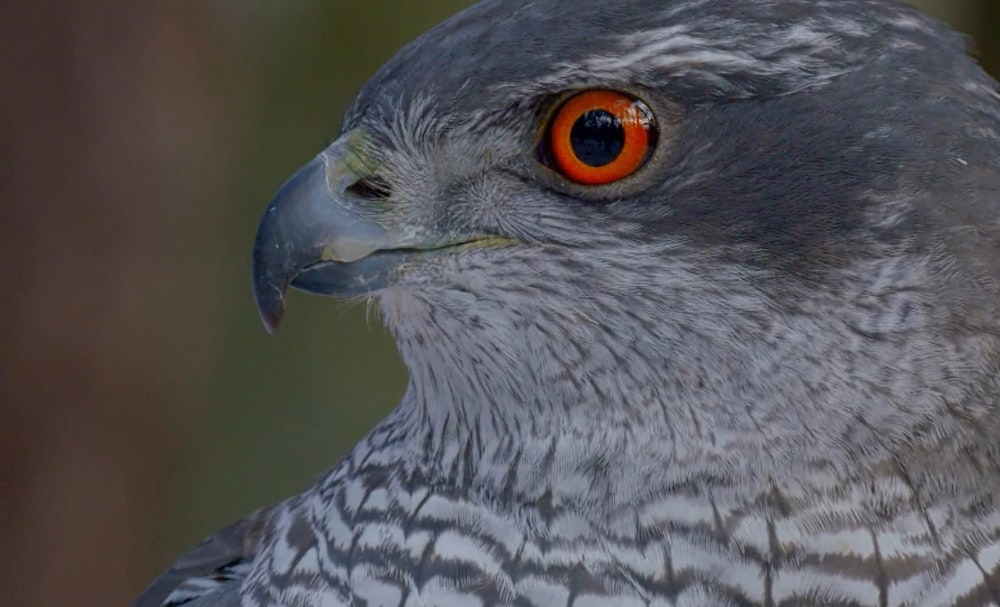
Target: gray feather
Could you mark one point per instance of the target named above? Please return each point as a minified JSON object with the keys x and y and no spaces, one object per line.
{"x":212,"y":572}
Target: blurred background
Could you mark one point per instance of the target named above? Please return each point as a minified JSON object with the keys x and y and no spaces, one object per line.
{"x":142,"y":406}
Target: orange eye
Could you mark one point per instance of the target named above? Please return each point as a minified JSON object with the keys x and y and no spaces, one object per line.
{"x":601,"y":136}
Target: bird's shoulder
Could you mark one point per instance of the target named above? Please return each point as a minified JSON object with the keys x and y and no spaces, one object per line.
{"x":212,"y":572}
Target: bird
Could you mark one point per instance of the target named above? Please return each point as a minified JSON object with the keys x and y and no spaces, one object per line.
{"x":699,"y":303}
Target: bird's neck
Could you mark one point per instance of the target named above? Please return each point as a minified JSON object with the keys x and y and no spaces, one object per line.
{"x":605,"y":413}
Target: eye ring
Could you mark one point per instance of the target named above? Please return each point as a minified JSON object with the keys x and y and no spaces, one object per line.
{"x":601,"y":136}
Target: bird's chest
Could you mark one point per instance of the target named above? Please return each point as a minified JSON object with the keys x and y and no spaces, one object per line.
{"x":439,"y":550}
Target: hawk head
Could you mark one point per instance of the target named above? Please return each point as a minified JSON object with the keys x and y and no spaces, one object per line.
{"x":731,"y":240}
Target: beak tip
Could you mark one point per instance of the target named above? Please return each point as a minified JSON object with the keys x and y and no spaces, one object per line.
{"x":271,"y":322}
{"x":270,"y":300}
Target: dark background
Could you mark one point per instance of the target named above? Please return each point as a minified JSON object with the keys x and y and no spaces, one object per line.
{"x":142,"y":406}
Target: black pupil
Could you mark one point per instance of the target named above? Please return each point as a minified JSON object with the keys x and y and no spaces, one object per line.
{"x":597,"y":138}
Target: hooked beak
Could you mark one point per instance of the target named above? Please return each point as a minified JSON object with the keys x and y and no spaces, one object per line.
{"x":320,"y":235}
{"x":314,"y":236}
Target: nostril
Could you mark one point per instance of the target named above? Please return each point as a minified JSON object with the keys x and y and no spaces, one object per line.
{"x":371,"y":188}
